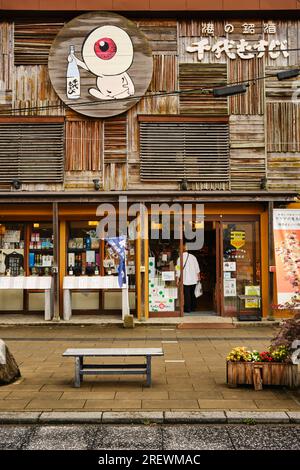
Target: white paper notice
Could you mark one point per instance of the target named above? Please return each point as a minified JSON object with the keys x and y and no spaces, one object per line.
{"x":168,"y":275}
{"x":229,"y":287}
{"x":90,"y":256}
{"x":229,"y":266}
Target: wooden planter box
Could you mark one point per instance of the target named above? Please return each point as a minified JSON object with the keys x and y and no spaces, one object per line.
{"x":262,"y":373}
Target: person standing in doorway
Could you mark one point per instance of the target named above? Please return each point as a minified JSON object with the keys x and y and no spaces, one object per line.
{"x":191,"y":275}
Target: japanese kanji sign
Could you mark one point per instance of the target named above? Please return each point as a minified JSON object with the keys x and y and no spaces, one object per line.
{"x":243,"y":48}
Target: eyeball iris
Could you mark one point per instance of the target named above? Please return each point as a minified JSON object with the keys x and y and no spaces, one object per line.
{"x":105,"y":48}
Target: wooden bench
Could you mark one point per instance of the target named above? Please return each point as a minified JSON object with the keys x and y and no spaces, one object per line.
{"x":116,"y":369}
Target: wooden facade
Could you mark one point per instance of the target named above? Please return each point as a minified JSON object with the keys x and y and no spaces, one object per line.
{"x":262,"y":129}
{"x":264,"y":122}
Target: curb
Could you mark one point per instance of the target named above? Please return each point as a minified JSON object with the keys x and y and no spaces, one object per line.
{"x":151,"y":417}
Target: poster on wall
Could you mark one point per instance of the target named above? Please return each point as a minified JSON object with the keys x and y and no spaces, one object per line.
{"x":286,"y":224}
{"x":229,"y":287}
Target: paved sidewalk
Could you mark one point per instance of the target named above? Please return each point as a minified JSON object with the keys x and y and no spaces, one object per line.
{"x":191,"y":376}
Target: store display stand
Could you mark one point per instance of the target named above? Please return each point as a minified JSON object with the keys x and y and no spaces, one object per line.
{"x":83,"y":283}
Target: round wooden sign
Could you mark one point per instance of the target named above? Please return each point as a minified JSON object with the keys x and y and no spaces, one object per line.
{"x":100,"y":64}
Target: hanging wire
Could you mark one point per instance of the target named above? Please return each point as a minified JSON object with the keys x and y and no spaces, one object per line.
{"x":202,"y":90}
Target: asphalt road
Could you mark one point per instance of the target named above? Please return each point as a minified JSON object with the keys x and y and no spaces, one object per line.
{"x":150,"y":437}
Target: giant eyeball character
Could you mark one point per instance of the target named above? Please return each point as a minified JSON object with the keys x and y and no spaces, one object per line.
{"x":107,"y":52}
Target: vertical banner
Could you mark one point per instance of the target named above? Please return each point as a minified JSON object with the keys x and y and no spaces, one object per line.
{"x":286,"y":223}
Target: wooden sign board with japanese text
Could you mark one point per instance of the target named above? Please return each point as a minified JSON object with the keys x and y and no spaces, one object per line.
{"x":100,"y":64}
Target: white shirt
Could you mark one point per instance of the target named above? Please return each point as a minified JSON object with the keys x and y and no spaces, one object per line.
{"x":191,"y":269}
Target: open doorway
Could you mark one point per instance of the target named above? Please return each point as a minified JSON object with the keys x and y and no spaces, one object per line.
{"x":207,"y":303}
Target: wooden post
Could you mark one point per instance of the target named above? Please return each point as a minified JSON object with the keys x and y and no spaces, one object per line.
{"x":56,"y":316}
{"x":270,"y":259}
{"x":257,"y":378}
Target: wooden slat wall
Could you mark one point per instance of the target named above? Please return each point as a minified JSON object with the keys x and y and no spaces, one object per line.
{"x":252,"y":102}
{"x":284,"y":167}
{"x":32,"y":152}
{"x":165,"y":71}
{"x":285,"y":90}
{"x":109,"y":150}
{"x":193,"y":76}
{"x":115,"y":153}
{"x":6,"y":66}
{"x":247,"y":155}
{"x":34,"y":94}
{"x":190,"y":31}
{"x":283,"y":127}
{"x":289,"y":31}
{"x":162,"y":34}
{"x":83,"y":145}
{"x":33,"y":42}
{"x":193,"y":150}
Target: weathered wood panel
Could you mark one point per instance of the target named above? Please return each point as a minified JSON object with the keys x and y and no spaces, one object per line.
{"x":6,"y":66}
{"x":186,"y":57}
{"x":162,"y":34}
{"x":200,"y":28}
{"x":284,"y":90}
{"x":251,"y":102}
{"x":286,"y":31}
{"x":165,"y":71}
{"x":115,"y":138}
{"x":33,"y":41}
{"x":33,"y":92}
{"x":75,"y":180}
{"x":247,"y":154}
{"x":283,"y":127}
{"x":195,"y":77}
{"x":115,"y":176}
{"x":284,"y":171}
{"x":83,"y":146}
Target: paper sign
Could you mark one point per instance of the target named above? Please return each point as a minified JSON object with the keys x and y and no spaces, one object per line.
{"x":90,"y":256}
{"x":227,"y":275}
{"x":151,"y":267}
{"x":168,"y":275}
{"x":229,"y":287}
{"x":229,"y":266}
{"x":11,"y":236}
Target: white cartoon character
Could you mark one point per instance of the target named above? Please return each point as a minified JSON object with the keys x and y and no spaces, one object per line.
{"x":107,"y":52}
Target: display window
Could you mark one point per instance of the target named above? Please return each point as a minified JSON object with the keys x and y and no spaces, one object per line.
{"x":83,"y":249}
{"x":88,"y":255}
{"x":40,"y":251}
{"x":12,"y":246}
{"x":164,"y":260}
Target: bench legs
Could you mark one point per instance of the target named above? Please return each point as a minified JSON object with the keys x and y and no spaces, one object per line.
{"x":79,"y":371}
{"x":78,"y":368}
{"x":148,"y":383}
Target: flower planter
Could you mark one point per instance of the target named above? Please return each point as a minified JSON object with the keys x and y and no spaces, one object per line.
{"x":262,"y":373}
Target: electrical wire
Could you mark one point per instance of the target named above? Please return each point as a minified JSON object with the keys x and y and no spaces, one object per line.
{"x":136,"y":98}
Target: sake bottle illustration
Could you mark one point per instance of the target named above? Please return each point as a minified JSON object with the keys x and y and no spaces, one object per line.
{"x":73,"y":76}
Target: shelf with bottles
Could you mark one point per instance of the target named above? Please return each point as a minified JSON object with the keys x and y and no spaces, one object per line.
{"x":83,"y":250}
{"x":40,"y":249}
{"x":12,"y":249}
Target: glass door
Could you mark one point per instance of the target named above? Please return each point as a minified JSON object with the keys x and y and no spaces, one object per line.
{"x":241,"y":266}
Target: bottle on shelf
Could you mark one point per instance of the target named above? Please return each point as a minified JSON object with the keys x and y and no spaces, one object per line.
{"x":96,"y":270}
{"x":73,"y":76}
{"x":70,"y":271}
{"x":88,"y":242}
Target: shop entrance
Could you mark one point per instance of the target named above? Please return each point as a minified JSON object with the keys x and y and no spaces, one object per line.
{"x":206,"y":304}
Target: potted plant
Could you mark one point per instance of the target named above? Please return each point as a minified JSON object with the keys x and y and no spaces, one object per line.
{"x":271,"y":367}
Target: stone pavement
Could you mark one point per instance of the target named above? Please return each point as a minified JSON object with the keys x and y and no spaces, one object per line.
{"x":190,"y":376}
{"x":151,"y":437}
